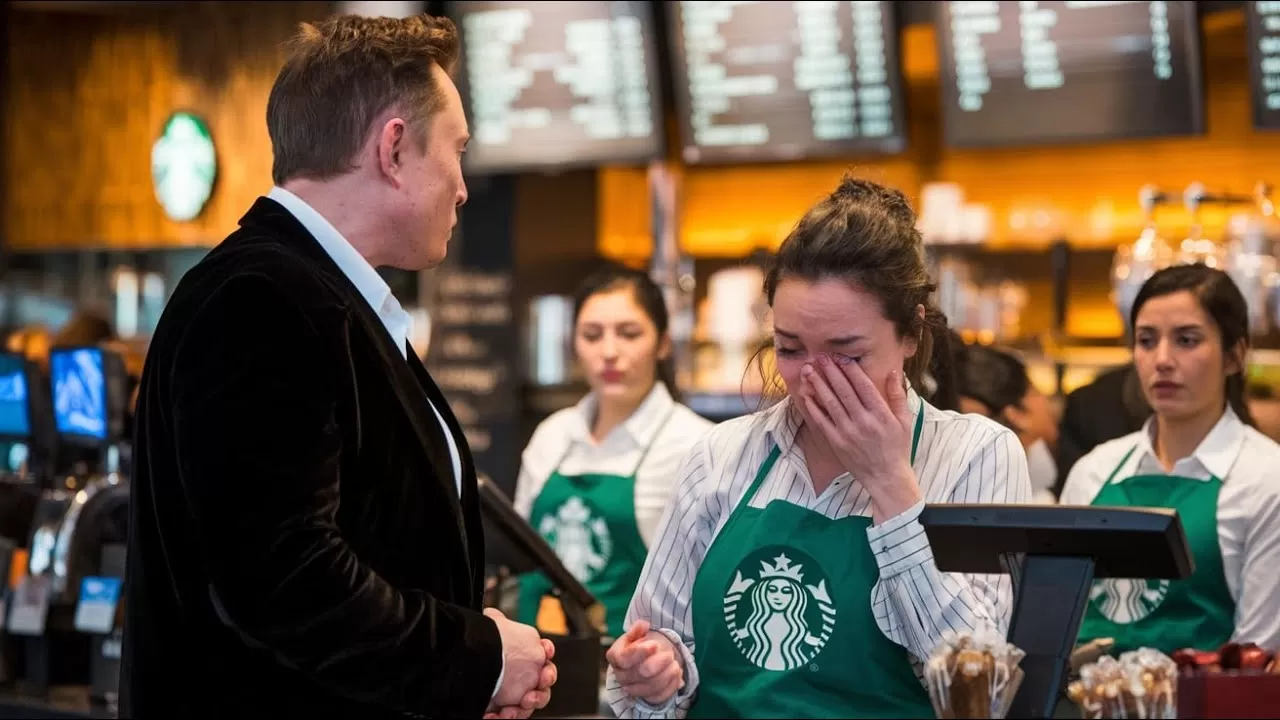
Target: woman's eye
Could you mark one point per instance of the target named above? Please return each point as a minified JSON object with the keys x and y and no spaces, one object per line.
{"x":787,"y":352}
{"x":842,"y":359}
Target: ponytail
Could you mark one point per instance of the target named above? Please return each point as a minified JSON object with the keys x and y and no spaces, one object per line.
{"x":933,"y":373}
{"x":1235,"y":391}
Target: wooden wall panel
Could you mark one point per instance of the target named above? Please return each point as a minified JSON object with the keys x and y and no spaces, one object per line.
{"x":90,"y":92}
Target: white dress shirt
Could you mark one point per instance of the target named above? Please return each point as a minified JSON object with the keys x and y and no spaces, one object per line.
{"x":1245,"y":461}
{"x":377,"y":293}
{"x":660,"y":424}
{"x":372,"y":288}
{"x":960,"y":458}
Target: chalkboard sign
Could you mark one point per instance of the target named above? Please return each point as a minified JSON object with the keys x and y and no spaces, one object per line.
{"x":474,"y":351}
{"x":786,"y":80}
{"x":1021,"y":73}
{"x":550,"y":85}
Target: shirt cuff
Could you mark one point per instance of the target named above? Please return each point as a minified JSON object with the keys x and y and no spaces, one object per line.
{"x":900,"y":543}
{"x":645,"y":711}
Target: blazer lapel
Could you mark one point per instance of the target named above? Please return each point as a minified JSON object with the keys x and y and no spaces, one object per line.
{"x":408,"y":389}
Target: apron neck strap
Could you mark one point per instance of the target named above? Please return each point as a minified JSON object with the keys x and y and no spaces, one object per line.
{"x":776,"y":452}
{"x":644,"y":452}
{"x":1125,"y":459}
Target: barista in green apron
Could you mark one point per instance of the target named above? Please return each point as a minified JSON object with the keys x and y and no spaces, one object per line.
{"x":590,"y":521}
{"x":1198,"y":456}
{"x":1167,"y":615}
{"x":781,"y":576}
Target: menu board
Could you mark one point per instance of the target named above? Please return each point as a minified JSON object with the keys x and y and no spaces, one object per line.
{"x":775,"y":81}
{"x":1018,"y":73}
{"x":550,"y":85}
{"x":1263,"y":19}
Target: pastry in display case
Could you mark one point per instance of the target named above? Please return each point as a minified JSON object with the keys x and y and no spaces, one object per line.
{"x":973,"y":675}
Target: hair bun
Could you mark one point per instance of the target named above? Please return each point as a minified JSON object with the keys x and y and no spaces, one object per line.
{"x":890,"y":200}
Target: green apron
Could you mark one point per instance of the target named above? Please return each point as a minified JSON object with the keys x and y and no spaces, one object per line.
{"x":782,"y":619}
{"x":590,"y":521}
{"x":1197,"y":612}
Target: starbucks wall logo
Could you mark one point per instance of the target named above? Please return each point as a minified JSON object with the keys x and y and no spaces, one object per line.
{"x":778,"y":610}
{"x":580,"y":538}
{"x":184,"y":166}
{"x":1125,"y":601}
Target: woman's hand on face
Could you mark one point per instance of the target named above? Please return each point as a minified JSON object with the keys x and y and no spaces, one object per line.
{"x":646,"y":664}
{"x":869,"y":433}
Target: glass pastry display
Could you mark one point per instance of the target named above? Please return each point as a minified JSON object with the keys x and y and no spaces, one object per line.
{"x":973,"y":675}
{"x":1140,"y":684}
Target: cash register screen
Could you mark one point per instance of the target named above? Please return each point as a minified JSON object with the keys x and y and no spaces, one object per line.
{"x":15,"y":415}
{"x":79,"y":392}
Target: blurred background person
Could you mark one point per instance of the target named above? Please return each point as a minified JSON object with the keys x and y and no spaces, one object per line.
{"x":596,"y":477}
{"x":995,"y":384}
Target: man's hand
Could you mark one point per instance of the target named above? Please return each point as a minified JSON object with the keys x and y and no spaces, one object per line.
{"x":528,"y":671}
{"x":646,"y":664}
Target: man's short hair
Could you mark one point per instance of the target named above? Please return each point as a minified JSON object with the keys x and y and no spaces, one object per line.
{"x":340,"y":75}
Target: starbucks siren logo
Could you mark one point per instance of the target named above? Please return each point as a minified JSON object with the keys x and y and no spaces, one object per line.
{"x":581,"y":540}
{"x":770,"y":616}
{"x":1124,"y":601}
{"x":183,"y":166}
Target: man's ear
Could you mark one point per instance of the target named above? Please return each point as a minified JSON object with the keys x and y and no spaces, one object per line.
{"x":391,"y":140}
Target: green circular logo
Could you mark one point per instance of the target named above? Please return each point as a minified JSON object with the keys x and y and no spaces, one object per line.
{"x":778,"y":608}
{"x":183,"y":166}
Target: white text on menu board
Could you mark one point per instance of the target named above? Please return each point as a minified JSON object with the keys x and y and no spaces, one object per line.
{"x":1269,"y":50}
{"x":602,"y":64}
{"x":848,"y":93}
{"x":463,"y":366}
{"x":1041,"y":70}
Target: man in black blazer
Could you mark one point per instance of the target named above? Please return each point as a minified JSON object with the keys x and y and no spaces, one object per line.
{"x":305,"y":538}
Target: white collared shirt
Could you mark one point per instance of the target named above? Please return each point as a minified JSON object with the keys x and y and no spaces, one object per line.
{"x":960,"y":458}
{"x":660,"y":424}
{"x":1245,"y":461}
{"x":372,"y":288}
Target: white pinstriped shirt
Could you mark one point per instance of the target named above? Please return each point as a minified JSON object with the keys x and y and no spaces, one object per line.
{"x":961,"y":458}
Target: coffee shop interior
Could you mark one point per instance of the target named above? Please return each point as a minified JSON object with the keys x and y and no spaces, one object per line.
{"x":1057,"y":153}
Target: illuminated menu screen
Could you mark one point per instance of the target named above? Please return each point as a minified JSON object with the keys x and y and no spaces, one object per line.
{"x":1018,"y":73}
{"x":1264,"y":62}
{"x":760,"y":81}
{"x":558,"y":84}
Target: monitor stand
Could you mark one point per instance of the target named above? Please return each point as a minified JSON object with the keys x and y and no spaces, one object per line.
{"x":1050,"y":596}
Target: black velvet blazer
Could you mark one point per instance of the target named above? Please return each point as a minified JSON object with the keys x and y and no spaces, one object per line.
{"x":297,"y":546}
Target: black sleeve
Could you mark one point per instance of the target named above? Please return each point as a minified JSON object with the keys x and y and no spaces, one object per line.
{"x":257,"y":439}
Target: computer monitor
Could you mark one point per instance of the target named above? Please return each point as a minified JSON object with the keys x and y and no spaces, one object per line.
{"x":1053,"y":554}
{"x":15,"y":398}
{"x":88,"y":395}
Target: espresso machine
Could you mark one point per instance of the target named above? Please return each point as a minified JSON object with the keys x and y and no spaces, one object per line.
{"x":70,"y":601}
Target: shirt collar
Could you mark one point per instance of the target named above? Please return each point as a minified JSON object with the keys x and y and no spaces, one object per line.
{"x":783,"y":420}
{"x":1216,"y":453}
{"x":362,"y":275}
{"x":641,"y":427}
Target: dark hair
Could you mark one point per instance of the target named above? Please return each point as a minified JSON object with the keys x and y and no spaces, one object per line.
{"x":341,"y":73}
{"x":86,"y":327}
{"x":647,"y":295}
{"x":992,"y":377}
{"x":865,"y":234}
{"x":1221,"y":301}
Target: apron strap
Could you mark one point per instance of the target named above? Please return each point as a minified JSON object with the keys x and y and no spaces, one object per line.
{"x":653,"y":440}
{"x":776,"y":452}
{"x":644,"y":453}
{"x":915,"y":436}
{"x":1123,"y":460}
